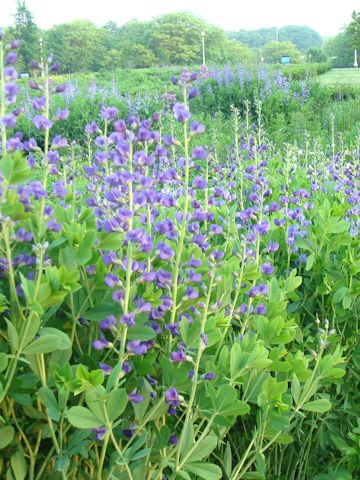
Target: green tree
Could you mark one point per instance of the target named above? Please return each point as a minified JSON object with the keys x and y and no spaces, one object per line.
{"x":273,"y":52}
{"x":28,"y":33}
{"x":302,"y":37}
{"x":316,"y":55}
{"x":353,"y":29}
{"x":340,"y":50}
{"x":136,"y":56}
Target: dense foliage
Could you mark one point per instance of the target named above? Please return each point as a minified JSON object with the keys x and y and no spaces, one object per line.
{"x":171,"y":310}
{"x":302,"y":37}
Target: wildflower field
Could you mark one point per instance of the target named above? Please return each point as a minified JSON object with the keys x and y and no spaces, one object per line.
{"x":179,"y":278}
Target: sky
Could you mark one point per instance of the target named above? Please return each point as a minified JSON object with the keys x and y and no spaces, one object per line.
{"x":325,"y":16}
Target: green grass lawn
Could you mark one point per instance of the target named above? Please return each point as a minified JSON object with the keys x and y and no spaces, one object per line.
{"x":343,"y":76}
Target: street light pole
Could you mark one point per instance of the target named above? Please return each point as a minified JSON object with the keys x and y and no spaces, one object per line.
{"x":355,"y":58}
{"x":203,"y":47}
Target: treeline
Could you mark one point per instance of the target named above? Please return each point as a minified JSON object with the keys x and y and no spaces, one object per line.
{"x":304,"y":38}
{"x":172,"y":39}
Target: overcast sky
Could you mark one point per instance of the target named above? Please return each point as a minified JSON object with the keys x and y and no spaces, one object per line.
{"x":325,"y":16}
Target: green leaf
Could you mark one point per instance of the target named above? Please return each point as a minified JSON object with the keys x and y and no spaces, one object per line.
{"x":319,"y":406}
{"x":338,"y":227}
{"x":18,"y":464}
{"x":113,"y":241}
{"x":62,"y":463}
{"x":209,"y":471}
{"x":81,"y":417}
{"x":48,"y":342}
{"x":142,"y":333}
{"x":3,"y":361}
{"x":14,"y":168}
{"x":48,"y":399}
{"x":6,"y":436}
{"x":100,"y":312}
{"x":203,"y":449}
{"x":157,"y":411}
{"x":13,"y":335}
{"x":340,"y":294}
{"x":84,"y":252}
{"x":227,"y":460}
{"x":116,"y":403}
{"x":310,"y":262}
{"x":295,"y":389}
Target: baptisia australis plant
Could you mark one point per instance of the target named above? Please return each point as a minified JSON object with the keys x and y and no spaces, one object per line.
{"x":149,"y":320}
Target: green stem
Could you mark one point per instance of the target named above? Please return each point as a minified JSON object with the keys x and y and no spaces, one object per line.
{"x":200,"y":350}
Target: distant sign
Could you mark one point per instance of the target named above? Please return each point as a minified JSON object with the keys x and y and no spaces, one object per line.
{"x":285,"y":59}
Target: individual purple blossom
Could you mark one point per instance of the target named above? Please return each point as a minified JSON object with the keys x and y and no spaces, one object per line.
{"x":15,"y":44}
{"x":199,"y":153}
{"x":34,"y":85}
{"x":61,"y":88}
{"x":41,"y":122}
{"x":92,"y":128}
{"x":111,"y":280}
{"x":99,"y":432}
{"x":9,"y":120}
{"x":135,"y":397}
{"x":197,"y":127}
{"x":261,"y":309}
{"x":208,"y":376}
{"x":53,"y":226}
{"x":101,"y":343}
{"x":109,"y":113}
{"x":59,"y":189}
{"x":142,"y":305}
{"x":22,"y":235}
{"x":194,"y":92}
{"x":172,"y":397}
{"x":164,"y":251}
{"x":267,"y":268}
{"x":62,"y":114}
{"x":11,"y":58}
{"x":262,"y":228}
{"x":181,"y":112}
{"x":173,"y":328}
{"x":178,"y":356}
{"x":173,"y":440}
{"x":106,"y":369}
{"x":108,"y":323}
{"x":39,"y":103}
{"x":137,"y":347}
{"x":199,"y":183}
{"x":126,"y":368}
{"x":273,"y":247}
{"x":128,"y":319}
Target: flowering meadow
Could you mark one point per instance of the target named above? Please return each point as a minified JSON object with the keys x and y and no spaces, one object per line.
{"x":171,"y":307}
